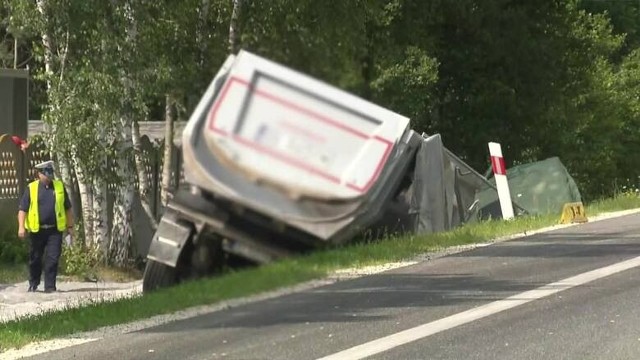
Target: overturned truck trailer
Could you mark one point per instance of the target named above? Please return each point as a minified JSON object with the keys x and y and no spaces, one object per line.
{"x":277,"y":163}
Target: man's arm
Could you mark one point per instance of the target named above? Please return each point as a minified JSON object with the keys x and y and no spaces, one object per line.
{"x":21,"y":219}
{"x":22,"y":214}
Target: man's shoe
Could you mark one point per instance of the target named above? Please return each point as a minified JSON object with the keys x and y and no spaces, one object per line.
{"x":49,"y":291}
{"x":32,"y":288}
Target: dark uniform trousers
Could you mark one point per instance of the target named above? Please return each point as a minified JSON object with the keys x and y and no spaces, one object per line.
{"x":47,"y":243}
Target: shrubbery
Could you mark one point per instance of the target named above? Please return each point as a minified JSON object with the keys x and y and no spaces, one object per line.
{"x":76,"y":260}
{"x":79,"y":260}
{"x":12,"y":249}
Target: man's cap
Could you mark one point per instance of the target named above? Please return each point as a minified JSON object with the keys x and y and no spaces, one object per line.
{"x":45,"y":165}
{"x":46,"y":169}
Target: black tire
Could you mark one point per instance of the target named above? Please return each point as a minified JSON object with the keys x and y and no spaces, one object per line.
{"x":158,"y":275}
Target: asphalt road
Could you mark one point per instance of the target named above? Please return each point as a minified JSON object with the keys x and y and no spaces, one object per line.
{"x":599,"y":319}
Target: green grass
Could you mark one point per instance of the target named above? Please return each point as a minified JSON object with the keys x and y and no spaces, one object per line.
{"x":621,"y":202}
{"x":108,"y":274}
{"x":284,"y":273}
{"x":12,"y":273}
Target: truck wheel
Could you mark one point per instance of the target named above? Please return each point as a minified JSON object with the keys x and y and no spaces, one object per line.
{"x":158,"y":275}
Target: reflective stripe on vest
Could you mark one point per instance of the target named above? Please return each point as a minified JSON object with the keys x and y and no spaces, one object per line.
{"x":33,"y":216}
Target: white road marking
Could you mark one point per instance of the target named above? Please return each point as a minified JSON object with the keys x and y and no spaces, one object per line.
{"x":419,"y":332}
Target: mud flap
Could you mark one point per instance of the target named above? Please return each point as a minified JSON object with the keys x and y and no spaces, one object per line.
{"x":168,"y":241}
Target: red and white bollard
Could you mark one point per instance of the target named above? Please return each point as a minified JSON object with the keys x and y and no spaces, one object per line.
{"x":500,"y":173}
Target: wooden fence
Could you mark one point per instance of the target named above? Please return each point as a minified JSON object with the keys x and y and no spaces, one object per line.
{"x":17,"y":169}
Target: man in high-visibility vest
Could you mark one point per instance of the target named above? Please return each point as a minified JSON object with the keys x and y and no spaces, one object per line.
{"x":44,"y":212}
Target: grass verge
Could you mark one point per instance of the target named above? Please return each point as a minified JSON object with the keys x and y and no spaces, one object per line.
{"x":284,"y":273}
{"x":109,"y":274}
{"x":12,"y":273}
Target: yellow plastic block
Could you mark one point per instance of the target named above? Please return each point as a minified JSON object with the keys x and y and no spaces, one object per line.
{"x":573,"y":213}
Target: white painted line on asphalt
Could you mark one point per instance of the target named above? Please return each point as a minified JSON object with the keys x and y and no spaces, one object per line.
{"x":419,"y":332}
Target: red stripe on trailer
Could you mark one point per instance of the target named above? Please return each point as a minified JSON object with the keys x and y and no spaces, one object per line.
{"x":497,"y":163}
{"x":313,"y":115}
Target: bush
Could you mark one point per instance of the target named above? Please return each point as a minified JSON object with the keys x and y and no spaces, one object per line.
{"x":12,"y":249}
{"x":76,"y":260}
{"x":79,"y":260}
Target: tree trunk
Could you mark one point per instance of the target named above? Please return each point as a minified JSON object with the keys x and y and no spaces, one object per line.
{"x":100,"y":217}
{"x":47,"y":43}
{"x":15,"y":52}
{"x":122,"y":230}
{"x":86,"y":199}
{"x":233,"y":26}
{"x":202,"y":28}
{"x":66,"y":173}
{"x":167,"y":163}
{"x":144,"y":188}
{"x":368,"y":61}
{"x":85,"y":189}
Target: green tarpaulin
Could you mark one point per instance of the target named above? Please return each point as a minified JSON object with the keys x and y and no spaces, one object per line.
{"x":541,"y":187}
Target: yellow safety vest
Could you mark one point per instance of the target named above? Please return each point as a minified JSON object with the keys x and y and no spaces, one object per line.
{"x":33,"y":217}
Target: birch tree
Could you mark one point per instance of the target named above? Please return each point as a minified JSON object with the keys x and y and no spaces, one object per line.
{"x":167,"y":163}
{"x":233,"y":26}
{"x":45,"y":20}
{"x":55,"y":51}
{"x":144,"y":182}
{"x":73,"y":94}
{"x":123,"y":28}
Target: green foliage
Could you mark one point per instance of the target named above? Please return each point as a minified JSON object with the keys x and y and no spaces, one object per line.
{"x":623,"y":16}
{"x":416,"y":73}
{"x":79,"y":260}
{"x":546,"y":78}
{"x":12,"y":249}
{"x":322,"y":38}
{"x":13,"y":273}
{"x":6,"y":55}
